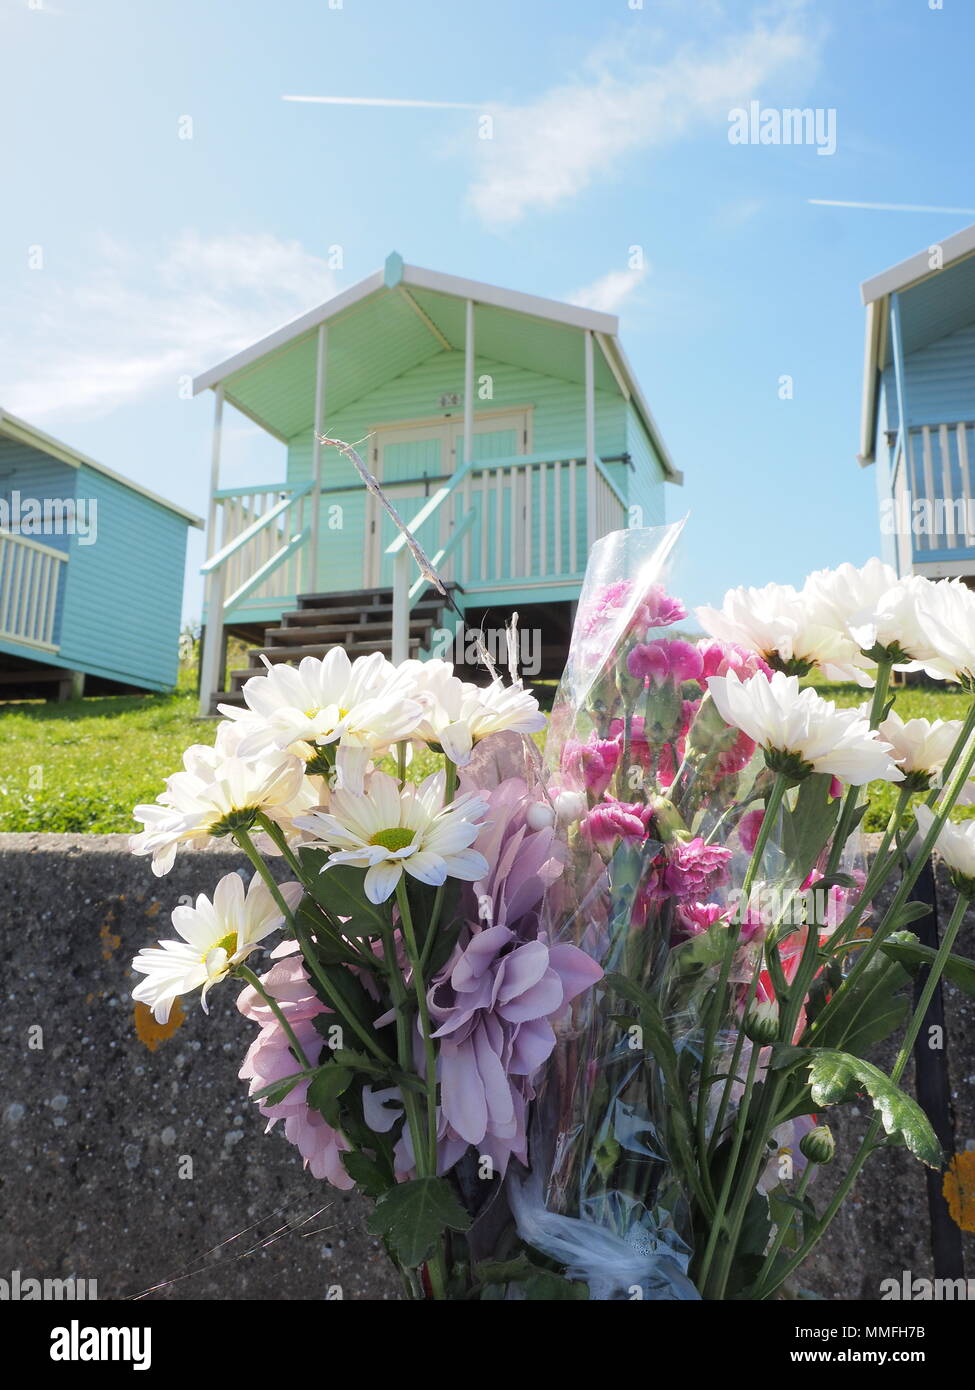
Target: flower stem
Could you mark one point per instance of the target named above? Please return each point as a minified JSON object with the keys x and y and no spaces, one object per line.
{"x":409,"y":936}
{"x":773,"y":802}
{"x":307,"y":948}
{"x":903,"y":1057}
{"x":245,"y":973}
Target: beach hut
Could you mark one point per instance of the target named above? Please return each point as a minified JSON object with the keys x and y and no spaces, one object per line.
{"x":91,"y":573}
{"x":507,"y":430}
{"x":918,"y":415}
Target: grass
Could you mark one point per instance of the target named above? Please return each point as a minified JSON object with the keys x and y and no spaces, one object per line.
{"x":912,"y":702}
{"x":83,"y":765}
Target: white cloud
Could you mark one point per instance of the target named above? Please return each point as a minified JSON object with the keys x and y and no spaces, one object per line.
{"x":550,"y":150}
{"x":610,"y":291}
{"x":138,"y":323}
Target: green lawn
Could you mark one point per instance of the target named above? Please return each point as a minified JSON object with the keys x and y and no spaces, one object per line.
{"x":82,"y":766}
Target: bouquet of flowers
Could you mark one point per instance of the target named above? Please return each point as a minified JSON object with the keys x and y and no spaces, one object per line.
{"x":571,"y":1023}
{"x":715,"y":875}
{"x":414,"y":995}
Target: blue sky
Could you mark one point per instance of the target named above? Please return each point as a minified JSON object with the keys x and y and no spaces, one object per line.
{"x":161,"y":255}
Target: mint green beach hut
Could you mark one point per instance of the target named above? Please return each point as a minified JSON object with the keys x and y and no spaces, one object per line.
{"x":507,"y":430}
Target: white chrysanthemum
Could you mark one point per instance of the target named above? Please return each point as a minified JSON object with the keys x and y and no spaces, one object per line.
{"x":363,"y":706}
{"x":946,"y":614}
{"x":920,"y":745}
{"x":893,"y":622}
{"x":219,"y":792}
{"x":847,"y":590}
{"x":460,"y":714}
{"x":804,"y":729}
{"x":216,"y":936}
{"x":955,"y":842}
{"x":390,"y":830}
{"x":791,"y":631}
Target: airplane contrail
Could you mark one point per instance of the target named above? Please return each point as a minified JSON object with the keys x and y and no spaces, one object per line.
{"x":886,"y":207}
{"x":389,"y":101}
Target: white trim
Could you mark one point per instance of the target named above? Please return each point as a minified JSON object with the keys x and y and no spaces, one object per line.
{"x":876,"y":316}
{"x":297,"y":328}
{"x":918,"y":267}
{"x":553,"y":310}
{"x":14,"y":428}
{"x":425,"y":318}
{"x":589,"y":372}
{"x":216,"y":443}
{"x":671,"y":472}
{"x":549,"y":309}
{"x":943,"y":569}
{"x":321,"y":358}
{"x":469,"y":358}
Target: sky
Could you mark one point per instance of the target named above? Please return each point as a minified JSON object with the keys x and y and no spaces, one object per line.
{"x":164,"y":204}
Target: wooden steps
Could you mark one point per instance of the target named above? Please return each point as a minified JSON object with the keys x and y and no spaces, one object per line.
{"x":360,"y":623}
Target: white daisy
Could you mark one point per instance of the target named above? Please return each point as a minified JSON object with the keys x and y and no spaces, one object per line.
{"x":800,"y":731}
{"x":363,"y":706}
{"x":216,"y":936}
{"x":389,"y":830}
{"x":460,"y":714}
{"x":219,"y":792}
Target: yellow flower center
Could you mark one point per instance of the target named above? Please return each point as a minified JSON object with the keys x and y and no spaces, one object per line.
{"x":397,"y":837}
{"x":226,"y":943}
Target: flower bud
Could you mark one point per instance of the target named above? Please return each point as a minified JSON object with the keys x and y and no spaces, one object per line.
{"x":818,"y":1145}
{"x":540,"y":816}
{"x":762,"y":1021}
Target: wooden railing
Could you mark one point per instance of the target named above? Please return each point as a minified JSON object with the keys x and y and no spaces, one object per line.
{"x":529,"y":519}
{"x":251,"y":562}
{"x":30,"y":579}
{"x":246,"y":516}
{"x":938,"y":474}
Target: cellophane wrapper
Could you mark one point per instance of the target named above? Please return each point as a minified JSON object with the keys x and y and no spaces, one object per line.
{"x":652,"y":788}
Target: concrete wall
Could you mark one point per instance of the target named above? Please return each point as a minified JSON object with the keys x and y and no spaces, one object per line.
{"x":97,"y":1123}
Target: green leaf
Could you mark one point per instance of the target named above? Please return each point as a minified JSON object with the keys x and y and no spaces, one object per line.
{"x":279,"y":1090}
{"x":808,"y":824}
{"x":341,"y":891}
{"x":868,"y":1010}
{"x":368,"y":1175}
{"x":412,"y":1216}
{"x":537,"y":1284}
{"x":911,"y":953}
{"x":836,"y":1076}
{"x":324,"y":1090}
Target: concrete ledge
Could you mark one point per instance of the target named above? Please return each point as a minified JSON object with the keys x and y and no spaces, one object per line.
{"x":98,"y":1122}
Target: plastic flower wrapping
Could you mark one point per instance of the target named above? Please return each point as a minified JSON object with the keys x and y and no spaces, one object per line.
{"x":573,"y":1023}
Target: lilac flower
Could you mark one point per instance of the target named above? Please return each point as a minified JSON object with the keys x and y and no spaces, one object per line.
{"x":269,"y":1059}
{"x":495,"y":1003}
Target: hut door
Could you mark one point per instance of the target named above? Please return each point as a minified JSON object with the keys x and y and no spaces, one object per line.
{"x":411,"y":462}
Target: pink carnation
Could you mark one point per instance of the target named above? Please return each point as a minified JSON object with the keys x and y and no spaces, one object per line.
{"x":269,"y":1059}
{"x":612,"y":821}
{"x":693,"y":868}
{"x":721,"y":657}
{"x":592,"y":764}
{"x":665,"y":660}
